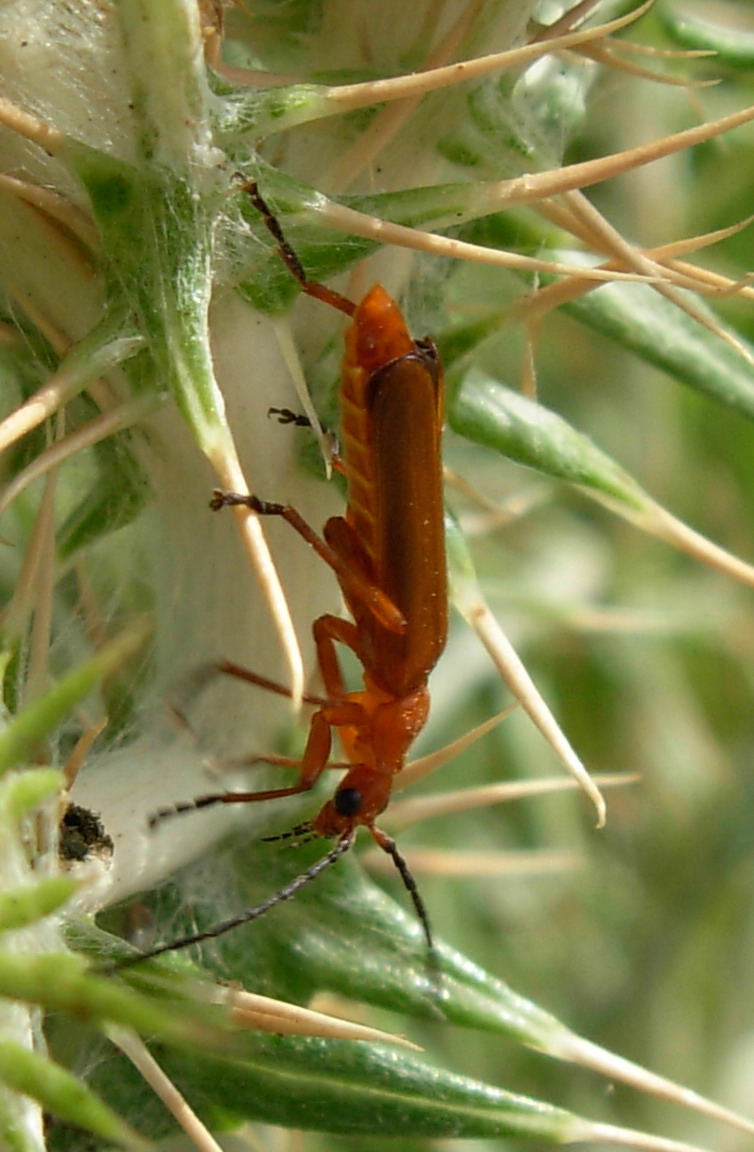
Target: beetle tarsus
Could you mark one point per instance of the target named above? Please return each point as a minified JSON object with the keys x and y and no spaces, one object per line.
{"x":288,"y":416}
{"x":222,"y":499}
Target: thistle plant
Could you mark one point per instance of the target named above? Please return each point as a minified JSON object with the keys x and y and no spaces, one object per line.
{"x":597,"y":537}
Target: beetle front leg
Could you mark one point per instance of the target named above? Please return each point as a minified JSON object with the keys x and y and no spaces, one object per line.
{"x":310,"y":768}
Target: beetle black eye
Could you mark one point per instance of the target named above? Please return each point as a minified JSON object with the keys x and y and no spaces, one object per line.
{"x":347,"y":801}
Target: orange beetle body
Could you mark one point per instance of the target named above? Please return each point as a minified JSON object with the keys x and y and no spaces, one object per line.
{"x":388,"y":554}
{"x":393,"y":536}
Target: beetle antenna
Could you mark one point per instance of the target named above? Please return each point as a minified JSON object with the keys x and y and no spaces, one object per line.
{"x":183,"y":806}
{"x":387,"y":844}
{"x":304,"y":830}
{"x":246,"y":917}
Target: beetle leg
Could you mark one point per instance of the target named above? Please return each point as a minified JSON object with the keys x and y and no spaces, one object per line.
{"x":327,"y":630}
{"x":355,"y":585}
{"x":311,"y":766}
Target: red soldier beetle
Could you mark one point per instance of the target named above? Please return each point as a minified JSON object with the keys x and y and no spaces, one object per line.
{"x":388,"y":554}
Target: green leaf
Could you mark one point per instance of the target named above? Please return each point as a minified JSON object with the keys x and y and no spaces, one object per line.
{"x":22,"y":906}
{"x":22,"y":792}
{"x":733,"y":45}
{"x":166,"y":279}
{"x":25,"y":732}
{"x":353,"y":1088}
{"x":499,"y":418}
{"x":62,"y":1094}
{"x":639,"y":319}
{"x":342,"y":933}
{"x":339,"y":933}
